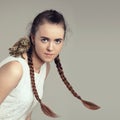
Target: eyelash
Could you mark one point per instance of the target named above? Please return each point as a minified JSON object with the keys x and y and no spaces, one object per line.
{"x":57,"y":41}
{"x":44,"y":40}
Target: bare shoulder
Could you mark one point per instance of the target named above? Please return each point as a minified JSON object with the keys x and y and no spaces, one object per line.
{"x":10,"y":75}
{"x":13,"y":67}
{"x":11,"y":71}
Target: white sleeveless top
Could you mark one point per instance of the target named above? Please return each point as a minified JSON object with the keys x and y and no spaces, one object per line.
{"x":21,"y":101}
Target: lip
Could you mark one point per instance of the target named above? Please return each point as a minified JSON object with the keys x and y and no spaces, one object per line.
{"x":49,"y":54}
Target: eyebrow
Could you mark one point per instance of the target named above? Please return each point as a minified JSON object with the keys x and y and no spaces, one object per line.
{"x":49,"y":38}
{"x":44,"y":37}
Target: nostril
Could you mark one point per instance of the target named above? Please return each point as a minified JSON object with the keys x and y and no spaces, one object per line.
{"x":50,"y":47}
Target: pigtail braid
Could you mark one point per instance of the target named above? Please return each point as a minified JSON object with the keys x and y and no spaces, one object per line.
{"x":44,"y":108}
{"x":87,"y":104}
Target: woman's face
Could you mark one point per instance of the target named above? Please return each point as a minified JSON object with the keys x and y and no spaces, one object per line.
{"x":48,"y":41}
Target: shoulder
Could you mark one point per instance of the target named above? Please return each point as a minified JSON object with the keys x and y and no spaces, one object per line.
{"x":11,"y":71}
{"x":12,"y":66}
{"x":10,"y":75}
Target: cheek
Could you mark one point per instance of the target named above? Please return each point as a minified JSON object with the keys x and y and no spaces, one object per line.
{"x":38,"y":48}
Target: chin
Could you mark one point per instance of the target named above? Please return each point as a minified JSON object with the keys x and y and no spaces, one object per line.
{"x":48,"y":60}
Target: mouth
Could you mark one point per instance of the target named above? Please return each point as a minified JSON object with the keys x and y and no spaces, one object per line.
{"x":49,"y":54}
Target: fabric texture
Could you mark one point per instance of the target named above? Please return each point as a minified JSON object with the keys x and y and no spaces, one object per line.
{"x":21,"y":101}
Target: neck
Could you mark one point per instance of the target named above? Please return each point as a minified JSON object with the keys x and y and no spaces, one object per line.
{"x":37,"y":62}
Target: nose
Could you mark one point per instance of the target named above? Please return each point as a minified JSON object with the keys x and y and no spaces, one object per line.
{"x":50,"y":46}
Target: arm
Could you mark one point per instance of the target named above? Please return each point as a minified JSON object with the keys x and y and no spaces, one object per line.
{"x":29,"y":116}
{"x":48,"y":69}
{"x":10,"y":75}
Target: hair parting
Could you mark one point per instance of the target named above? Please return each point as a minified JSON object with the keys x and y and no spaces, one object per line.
{"x":87,"y":104}
{"x":44,"y":108}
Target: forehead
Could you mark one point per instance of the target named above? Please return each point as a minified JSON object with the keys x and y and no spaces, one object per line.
{"x":49,"y":29}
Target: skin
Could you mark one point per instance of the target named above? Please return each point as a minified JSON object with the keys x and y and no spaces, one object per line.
{"x":47,"y":44}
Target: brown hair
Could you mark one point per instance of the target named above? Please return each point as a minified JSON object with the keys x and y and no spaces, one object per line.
{"x":87,"y":104}
{"x":44,"y":108}
{"x":25,"y":45}
{"x":18,"y":49}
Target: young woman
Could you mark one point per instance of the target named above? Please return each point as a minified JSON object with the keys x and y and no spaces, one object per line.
{"x":22,"y":74}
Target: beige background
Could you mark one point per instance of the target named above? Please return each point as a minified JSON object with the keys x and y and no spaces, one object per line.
{"x":91,"y":55}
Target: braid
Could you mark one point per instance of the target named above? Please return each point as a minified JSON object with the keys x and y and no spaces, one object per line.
{"x":18,"y":49}
{"x":44,"y":108}
{"x":70,"y":88}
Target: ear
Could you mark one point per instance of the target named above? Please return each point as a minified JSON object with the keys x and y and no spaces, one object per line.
{"x":32,"y":39}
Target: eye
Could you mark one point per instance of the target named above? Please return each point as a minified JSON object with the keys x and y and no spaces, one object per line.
{"x":58,"y":41}
{"x":44,"y":40}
